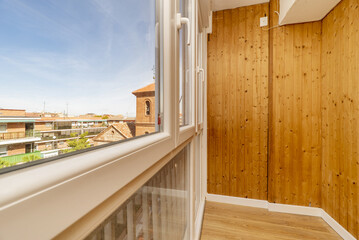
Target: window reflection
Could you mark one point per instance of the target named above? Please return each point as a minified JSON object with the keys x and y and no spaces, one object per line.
{"x":158,"y":210}
{"x":76,"y":75}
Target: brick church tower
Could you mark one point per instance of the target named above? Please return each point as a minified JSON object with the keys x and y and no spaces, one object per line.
{"x":145,"y":110}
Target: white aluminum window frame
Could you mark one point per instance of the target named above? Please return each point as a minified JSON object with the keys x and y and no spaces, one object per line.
{"x":70,"y":187}
{"x":185,"y":132}
{"x":201,"y":77}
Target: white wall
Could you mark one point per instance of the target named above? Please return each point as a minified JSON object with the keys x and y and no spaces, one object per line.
{"x":299,"y":11}
{"x":285,"y":5}
{"x":218,"y":5}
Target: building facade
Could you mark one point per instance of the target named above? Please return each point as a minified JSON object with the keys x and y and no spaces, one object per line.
{"x":145,"y":110}
{"x":55,"y":132}
{"x":115,"y":132}
{"x":22,"y":133}
{"x":17,"y":134}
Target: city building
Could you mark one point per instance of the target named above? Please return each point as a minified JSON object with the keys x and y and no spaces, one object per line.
{"x":115,"y":132}
{"x":120,"y":119}
{"x":23,"y":133}
{"x":17,"y":133}
{"x":126,"y":127}
{"x":55,"y":132}
{"x":145,"y":110}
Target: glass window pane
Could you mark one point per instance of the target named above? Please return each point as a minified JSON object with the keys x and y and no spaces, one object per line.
{"x":158,"y":210}
{"x":78,"y":74}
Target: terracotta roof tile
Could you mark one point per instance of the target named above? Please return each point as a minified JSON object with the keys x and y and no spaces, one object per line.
{"x":127,"y":129}
{"x":148,"y":88}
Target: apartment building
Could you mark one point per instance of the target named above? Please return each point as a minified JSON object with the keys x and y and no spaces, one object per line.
{"x":21,"y":134}
{"x":120,"y":119}
{"x":17,"y":132}
{"x":55,"y":132}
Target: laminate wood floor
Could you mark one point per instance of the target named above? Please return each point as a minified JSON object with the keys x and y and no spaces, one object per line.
{"x":226,"y":221}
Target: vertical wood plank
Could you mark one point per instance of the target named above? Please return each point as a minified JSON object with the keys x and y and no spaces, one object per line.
{"x":238,"y":103}
{"x":294,"y":160}
{"x":340,"y":114}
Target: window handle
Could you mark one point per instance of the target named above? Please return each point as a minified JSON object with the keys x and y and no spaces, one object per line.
{"x":200,"y":70}
{"x":182,"y":20}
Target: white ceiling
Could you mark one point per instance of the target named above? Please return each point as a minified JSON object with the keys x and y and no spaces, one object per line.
{"x":218,"y":5}
{"x":291,"y":11}
{"x":298,"y":11}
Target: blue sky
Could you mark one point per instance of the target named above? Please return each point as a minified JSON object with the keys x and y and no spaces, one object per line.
{"x":90,"y":54}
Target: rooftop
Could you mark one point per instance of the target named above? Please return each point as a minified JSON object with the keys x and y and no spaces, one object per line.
{"x":128,"y":130}
{"x":70,"y":119}
{"x":148,"y":88}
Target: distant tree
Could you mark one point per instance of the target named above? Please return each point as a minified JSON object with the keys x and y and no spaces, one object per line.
{"x":105,"y":117}
{"x":78,"y":143}
{"x":74,"y":134}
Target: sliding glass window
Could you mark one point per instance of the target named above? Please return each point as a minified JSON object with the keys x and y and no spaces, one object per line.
{"x":200,"y":79}
{"x":77,"y":75}
{"x":158,"y":210}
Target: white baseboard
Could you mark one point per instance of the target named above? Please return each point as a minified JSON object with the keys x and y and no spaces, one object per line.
{"x":199,"y":220}
{"x":238,"y":201}
{"x":294,"y":209}
{"x":337,"y":227}
{"x":284,"y":208}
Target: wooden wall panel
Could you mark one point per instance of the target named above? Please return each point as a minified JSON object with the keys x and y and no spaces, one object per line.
{"x":294,"y":167}
{"x":312,"y":113}
{"x":238,"y":103}
{"x":340,"y":114}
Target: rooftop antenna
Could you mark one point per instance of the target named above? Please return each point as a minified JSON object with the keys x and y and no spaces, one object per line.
{"x":43,"y":110}
{"x":67,"y":109}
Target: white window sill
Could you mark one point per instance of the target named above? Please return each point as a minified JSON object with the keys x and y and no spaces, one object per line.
{"x":185,"y":133}
{"x":58,"y":193}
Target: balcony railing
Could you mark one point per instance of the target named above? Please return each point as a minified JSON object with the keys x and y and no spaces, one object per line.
{"x":90,"y":132}
{"x":19,"y":135}
{"x":67,"y":127}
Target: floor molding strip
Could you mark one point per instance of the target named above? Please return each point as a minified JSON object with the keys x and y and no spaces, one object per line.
{"x":284,"y":208}
{"x":199,"y":219}
{"x":294,"y":209}
{"x":237,"y":201}
{"x":337,"y":227}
